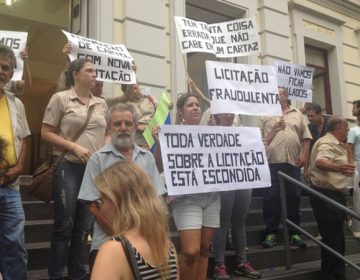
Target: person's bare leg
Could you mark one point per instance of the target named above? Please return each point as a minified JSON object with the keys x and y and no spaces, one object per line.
{"x":190,"y":241}
{"x":202,"y":264}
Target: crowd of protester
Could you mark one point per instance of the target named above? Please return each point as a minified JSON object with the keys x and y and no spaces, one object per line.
{"x":109,"y":184}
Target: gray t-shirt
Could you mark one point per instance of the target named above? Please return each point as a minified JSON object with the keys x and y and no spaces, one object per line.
{"x":102,"y":159}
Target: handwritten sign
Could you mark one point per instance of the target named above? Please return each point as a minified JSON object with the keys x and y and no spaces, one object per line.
{"x":112,"y":62}
{"x":297,"y":79}
{"x":200,"y":159}
{"x":17,"y":42}
{"x":242,"y":89}
{"x":226,"y":39}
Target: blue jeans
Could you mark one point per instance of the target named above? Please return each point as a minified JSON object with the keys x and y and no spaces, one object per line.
{"x":272,"y":201}
{"x":71,"y":223}
{"x":13,"y":256}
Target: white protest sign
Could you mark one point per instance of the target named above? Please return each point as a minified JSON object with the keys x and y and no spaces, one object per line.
{"x":200,"y":159}
{"x":16,"y":41}
{"x":226,"y":39}
{"x":242,"y":89}
{"x":112,"y":62}
{"x":297,"y":79}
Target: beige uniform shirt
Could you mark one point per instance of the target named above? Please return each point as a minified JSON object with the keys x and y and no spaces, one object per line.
{"x":145,"y":109}
{"x":286,"y":145}
{"x":68,"y":114}
{"x":207,"y":114}
{"x":328,"y":148}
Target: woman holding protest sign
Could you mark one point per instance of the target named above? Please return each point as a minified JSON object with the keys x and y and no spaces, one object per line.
{"x":74,"y":122}
{"x":196,"y":216}
{"x":234,"y":210}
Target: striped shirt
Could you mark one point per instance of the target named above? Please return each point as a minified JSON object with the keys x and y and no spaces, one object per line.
{"x":150,"y":272}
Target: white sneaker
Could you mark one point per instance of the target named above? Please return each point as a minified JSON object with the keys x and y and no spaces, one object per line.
{"x":348,"y":224}
{"x":318,"y":237}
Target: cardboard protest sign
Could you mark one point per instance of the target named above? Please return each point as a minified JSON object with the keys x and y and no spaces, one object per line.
{"x":242,"y":89}
{"x":112,"y":62}
{"x":16,"y":41}
{"x":200,"y":159}
{"x":226,"y":39}
{"x":297,"y":79}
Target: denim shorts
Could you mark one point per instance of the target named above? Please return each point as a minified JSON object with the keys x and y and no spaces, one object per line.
{"x":196,"y":211}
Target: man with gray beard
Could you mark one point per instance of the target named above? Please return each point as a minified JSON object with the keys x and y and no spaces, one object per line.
{"x":121,"y":122}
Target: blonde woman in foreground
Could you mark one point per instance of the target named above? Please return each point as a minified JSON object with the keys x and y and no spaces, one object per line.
{"x":137,"y":214}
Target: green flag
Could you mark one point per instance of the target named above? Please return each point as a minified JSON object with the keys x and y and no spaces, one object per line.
{"x":162,"y":112}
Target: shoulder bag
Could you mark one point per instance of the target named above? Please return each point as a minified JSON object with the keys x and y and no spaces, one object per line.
{"x":41,"y":186}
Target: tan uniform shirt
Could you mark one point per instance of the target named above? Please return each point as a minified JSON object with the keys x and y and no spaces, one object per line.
{"x":68,"y":114}
{"x":145,"y":109}
{"x":207,"y":114}
{"x":328,"y":148}
{"x":286,"y":145}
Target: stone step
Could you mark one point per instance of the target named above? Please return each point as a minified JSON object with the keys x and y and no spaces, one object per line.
{"x":255,"y":234}
{"x":255,"y":216}
{"x":38,"y":230}
{"x":39,"y":255}
{"x":305,"y":271}
{"x":302,"y":271}
{"x":38,"y":210}
{"x":25,"y":196}
{"x":41,"y":230}
{"x":259,"y":257}
{"x":38,"y":274}
{"x":257,"y":202}
{"x":271,"y":261}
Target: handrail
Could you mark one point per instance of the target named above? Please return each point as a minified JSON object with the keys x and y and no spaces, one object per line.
{"x":286,"y":221}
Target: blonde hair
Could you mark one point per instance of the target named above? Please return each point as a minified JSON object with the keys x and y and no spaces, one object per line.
{"x":137,"y":206}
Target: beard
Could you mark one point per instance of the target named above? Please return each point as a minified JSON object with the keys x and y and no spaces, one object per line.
{"x":123,"y":140}
{"x":3,"y":82}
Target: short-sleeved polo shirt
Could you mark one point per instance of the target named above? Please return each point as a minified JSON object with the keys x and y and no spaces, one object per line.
{"x":68,"y":114}
{"x":354,"y":139}
{"x":331,"y":149}
{"x":286,"y":144}
{"x":104,"y":158}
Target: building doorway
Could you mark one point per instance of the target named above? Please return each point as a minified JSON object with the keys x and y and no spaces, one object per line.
{"x":43,"y":20}
{"x":317,"y":58}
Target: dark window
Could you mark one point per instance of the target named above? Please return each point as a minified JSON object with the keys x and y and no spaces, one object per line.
{"x":317,"y":58}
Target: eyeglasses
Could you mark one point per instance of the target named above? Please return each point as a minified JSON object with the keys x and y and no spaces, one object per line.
{"x":99,"y":202}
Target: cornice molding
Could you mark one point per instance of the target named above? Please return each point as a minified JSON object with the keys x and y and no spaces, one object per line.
{"x":346,"y":7}
{"x":318,"y":13}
